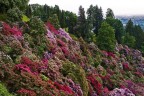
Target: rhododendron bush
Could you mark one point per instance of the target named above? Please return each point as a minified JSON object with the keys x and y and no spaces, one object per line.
{"x":8,"y":30}
{"x":49,"y":62}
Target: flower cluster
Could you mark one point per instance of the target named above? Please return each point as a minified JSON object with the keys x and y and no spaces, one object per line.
{"x":64,"y":88}
{"x":51,"y":27}
{"x":11,"y":31}
{"x":23,"y":91}
{"x":64,"y":34}
{"x":97,"y":85}
{"x":121,"y":92}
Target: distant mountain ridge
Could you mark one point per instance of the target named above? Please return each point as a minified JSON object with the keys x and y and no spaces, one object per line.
{"x":137,"y":20}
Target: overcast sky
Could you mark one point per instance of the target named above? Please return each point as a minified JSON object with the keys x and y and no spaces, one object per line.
{"x":120,"y":7}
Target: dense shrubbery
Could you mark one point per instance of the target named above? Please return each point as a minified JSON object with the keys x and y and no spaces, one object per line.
{"x":55,"y":64}
{"x":38,"y":59}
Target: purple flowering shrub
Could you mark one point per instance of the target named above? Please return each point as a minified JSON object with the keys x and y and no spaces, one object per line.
{"x":64,"y":34}
{"x":121,"y":92}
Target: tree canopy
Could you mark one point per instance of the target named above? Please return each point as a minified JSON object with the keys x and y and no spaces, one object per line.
{"x":106,"y":37}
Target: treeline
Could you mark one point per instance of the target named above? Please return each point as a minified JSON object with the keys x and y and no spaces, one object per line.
{"x":90,"y":24}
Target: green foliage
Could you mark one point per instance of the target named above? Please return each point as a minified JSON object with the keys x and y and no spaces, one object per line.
{"x":77,"y":74}
{"x":130,"y":27}
{"x":74,"y":37}
{"x":37,"y":26}
{"x":44,"y":77}
{"x":95,"y":17}
{"x":12,"y":9}
{"x":4,"y":4}
{"x":118,"y":27}
{"x":106,"y":37}
{"x":71,"y":21}
{"x":81,"y":23}
{"x":25,"y":18}
{"x":14,"y":14}
{"x":128,"y":40}
{"x":8,"y":4}
{"x":135,"y":31}
{"x":41,"y":49}
{"x":54,"y":21}
{"x":3,"y":17}
{"x":7,"y":49}
{"x":110,"y":13}
{"x":4,"y":91}
{"x":138,"y":34}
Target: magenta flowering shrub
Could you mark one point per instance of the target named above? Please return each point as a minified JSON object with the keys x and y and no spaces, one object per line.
{"x":108,"y":54}
{"x":23,"y":67}
{"x":23,"y":91}
{"x":96,"y":85}
{"x":11,"y":31}
{"x":65,"y":51}
{"x":51,"y":28}
{"x":61,"y":43}
{"x":126,"y":66}
{"x":64,"y":88}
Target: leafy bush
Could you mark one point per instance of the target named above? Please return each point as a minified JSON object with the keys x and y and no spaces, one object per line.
{"x":37,"y":26}
{"x":4,"y":91}
{"x":14,"y":14}
{"x":54,"y":21}
{"x":77,"y":74}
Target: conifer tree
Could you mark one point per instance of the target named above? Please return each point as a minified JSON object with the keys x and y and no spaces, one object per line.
{"x":80,"y":27}
{"x":54,"y":21}
{"x":118,"y":26}
{"x":95,"y":17}
{"x":130,"y":27}
{"x":128,"y":40}
{"x":110,"y":13}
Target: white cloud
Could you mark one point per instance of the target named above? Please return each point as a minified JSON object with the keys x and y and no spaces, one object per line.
{"x":120,"y":7}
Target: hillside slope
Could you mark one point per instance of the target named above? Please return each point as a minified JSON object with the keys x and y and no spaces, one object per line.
{"x":38,"y":60}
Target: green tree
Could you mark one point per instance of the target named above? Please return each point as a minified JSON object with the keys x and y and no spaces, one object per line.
{"x":54,"y":21}
{"x":14,"y":14}
{"x":80,"y":27}
{"x":63,"y":19}
{"x":130,"y":27}
{"x":110,"y":13}
{"x":71,"y":21}
{"x":12,"y":9}
{"x":28,"y":11}
{"x":37,"y":26}
{"x":138,"y":34}
{"x":95,"y":16}
{"x":128,"y":40}
{"x":118,"y":26}
{"x":106,"y":37}
{"x":5,"y":5}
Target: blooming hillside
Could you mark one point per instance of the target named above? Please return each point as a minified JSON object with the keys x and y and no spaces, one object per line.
{"x":38,"y":60}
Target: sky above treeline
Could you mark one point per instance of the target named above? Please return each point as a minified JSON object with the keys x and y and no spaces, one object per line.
{"x":120,"y":7}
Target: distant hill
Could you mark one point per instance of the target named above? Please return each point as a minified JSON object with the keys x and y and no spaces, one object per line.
{"x":137,"y":20}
